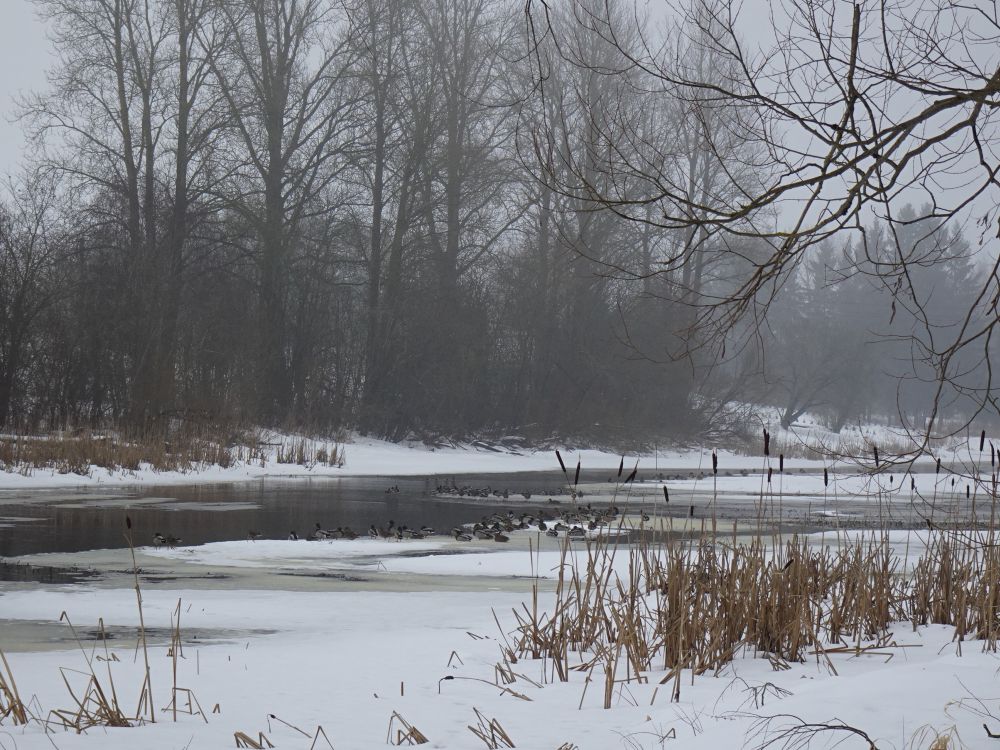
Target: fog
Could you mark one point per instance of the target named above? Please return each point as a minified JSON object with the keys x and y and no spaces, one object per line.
{"x":465,"y":217}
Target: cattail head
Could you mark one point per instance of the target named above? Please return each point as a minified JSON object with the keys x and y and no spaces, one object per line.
{"x":561,"y":464}
{"x":769,"y":470}
{"x":937,"y":470}
{"x":666,"y":495}
{"x":715,"y":462}
{"x":875,"y":449}
{"x":982,"y":440}
{"x":128,"y":523}
{"x":826,"y":478}
{"x":621,"y":465}
{"x":767,"y":443}
{"x":781,"y":463}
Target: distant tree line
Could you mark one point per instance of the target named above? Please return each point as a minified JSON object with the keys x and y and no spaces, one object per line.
{"x":318,"y":214}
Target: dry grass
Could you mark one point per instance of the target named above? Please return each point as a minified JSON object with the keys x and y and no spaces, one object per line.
{"x":695,"y":606}
{"x":184,"y":451}
{"x":307,"y":452}
{"x":403,"y":732}
{"x":79,"y":453}
{"x":11,"y":705}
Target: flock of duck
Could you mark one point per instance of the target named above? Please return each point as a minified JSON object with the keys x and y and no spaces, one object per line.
{"x":453,"y":490}
{"x":573,"y":523}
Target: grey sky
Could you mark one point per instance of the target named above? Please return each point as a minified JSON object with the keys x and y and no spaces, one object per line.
{"x":24,"y":56}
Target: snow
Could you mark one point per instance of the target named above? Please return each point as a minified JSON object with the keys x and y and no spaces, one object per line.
{"x":368,"y":457}
{"x":347,"y":660}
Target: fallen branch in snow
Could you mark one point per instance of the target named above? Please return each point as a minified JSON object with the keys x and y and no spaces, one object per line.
{"x":798,"y":734}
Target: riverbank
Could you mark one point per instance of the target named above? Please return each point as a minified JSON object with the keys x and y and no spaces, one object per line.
{"x":355,"y":660}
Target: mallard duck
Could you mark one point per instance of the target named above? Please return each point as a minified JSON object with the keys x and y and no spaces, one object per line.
{"x":253,"y":536}
{"x":459,"y":536}
{"x":498,"y":537}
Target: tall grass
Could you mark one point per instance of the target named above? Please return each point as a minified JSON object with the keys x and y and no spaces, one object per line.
{"x":675,"y":604}
{"x":117,"y":451}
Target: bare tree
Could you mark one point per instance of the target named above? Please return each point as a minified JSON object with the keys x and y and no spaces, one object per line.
{"x":31,"y":248}
{"x":861,"y":109}
{"x":284,"y":72}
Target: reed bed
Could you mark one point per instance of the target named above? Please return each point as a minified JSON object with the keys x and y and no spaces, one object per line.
{"x":183,"y":451}
{"x":79,"y":453}
{"x":623,"y":612}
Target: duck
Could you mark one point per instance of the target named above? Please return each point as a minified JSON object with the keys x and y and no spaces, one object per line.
{"x":292,"y":536}
{"x":319,"y":532}
{"x":483,"y":534}
{"x":373,"y":532}
{"x":253,"y":536}
{"x":348,"y":533}
{"x":159,"y":539}
{"x":498,"y":537}
{"x":551,"y":532}
{"x":172,"y":541}
{"x":460,"y":536}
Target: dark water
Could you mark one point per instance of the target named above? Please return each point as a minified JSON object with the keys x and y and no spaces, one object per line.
{"x":76,"y":520}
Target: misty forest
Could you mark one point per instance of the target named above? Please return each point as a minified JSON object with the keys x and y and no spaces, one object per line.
{"x":468,"y":217}
{"x":558,"y":374}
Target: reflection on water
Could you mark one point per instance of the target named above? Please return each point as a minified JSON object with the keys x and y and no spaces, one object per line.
{"x":61,"y":521}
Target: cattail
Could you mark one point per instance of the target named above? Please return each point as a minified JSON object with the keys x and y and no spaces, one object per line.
{"x":576,"y":479}
{"x":966,"y":492}
{"x":715,"y":463}
{"x":691,"y":512}
{"x":128,"y":523}
{"x":875,"y":448}
{"x":666,"y":495}
{"x":892,"y":479}
{"x":767,"y":443}
{"x":621,"y":465}
{"x":781,"y":463}
{"x":632,"y":475}
{"x":993,"y":454}
{"x":561,"y":464}
{"x":938,"y":469}
{"x":982,"y":440}
{"x":913,"y":484}
{"x":826,"y":478}
{"x":769,"y":470}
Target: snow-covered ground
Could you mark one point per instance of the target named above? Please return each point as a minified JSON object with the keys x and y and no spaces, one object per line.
{"x":367,"y":457}
{"x":347,"y":660}
{"x":370,"y":457}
